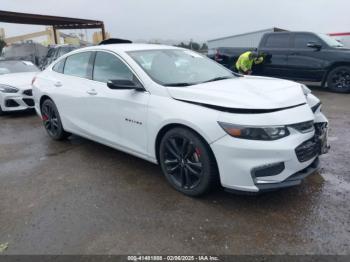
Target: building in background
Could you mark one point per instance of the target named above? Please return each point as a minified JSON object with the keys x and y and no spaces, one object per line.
{"x":344,"y":38}
{"x":97,"y":37}
{"x":250,"y":40}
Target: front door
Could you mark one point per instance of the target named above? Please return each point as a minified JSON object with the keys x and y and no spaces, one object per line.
{"x":305,"y":62}
{"x":117,"y":117}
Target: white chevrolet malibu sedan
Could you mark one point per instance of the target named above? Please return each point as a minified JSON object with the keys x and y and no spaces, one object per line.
{"x":202,"y":124}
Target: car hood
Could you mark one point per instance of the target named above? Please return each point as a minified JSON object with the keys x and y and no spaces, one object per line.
{"x":247,"y":92}
{"x":19,"y":80}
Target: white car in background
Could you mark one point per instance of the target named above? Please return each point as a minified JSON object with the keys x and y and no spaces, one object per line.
{"x":202,"y":123}
{"x":16,"y":85}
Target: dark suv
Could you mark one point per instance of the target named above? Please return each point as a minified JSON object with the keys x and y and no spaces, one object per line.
{"x":300,"y":56}
{"x":55,"y":52}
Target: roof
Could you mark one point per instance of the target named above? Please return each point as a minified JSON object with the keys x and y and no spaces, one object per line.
{"x":56,"y":21}
{"x":128,"y":47}
{"x":274,"y":29}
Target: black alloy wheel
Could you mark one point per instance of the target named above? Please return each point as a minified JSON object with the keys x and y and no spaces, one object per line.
{"x":187,"y":163}
{"x":339,"y":79}
{"x":52,"y":121}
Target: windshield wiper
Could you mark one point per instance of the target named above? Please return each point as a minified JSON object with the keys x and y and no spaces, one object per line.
{"x":180,"y":84}
{"x":217,"y":79}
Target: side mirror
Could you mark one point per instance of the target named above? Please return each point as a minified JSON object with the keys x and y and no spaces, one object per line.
{"x":314,"y":45}
{"x":124,"y":84}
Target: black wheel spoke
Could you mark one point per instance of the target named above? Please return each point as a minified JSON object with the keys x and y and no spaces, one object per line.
{"x":171,"y":161}
{"x":54,"y":123}
{"x":194,"y":172}
{"x":184,"y":146}
{"x":173,"y":169}
{"x":189,"y":150}
{"x":187,"y":178}
{"x":182,"y":177}
{"x":172,"y":147}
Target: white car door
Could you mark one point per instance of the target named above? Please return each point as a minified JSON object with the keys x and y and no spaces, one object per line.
{"x":71,"y":86}
{"x":118,"y":116}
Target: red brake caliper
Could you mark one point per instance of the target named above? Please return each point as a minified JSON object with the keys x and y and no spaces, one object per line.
{"x":45,"y":118}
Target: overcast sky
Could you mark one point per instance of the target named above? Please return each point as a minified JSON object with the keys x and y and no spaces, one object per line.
{"x":182,"y":20}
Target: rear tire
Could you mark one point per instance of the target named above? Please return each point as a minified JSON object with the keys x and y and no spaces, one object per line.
{"x":187,"y":162}
{"x":338,"y":80}
{"x":52,"y":121}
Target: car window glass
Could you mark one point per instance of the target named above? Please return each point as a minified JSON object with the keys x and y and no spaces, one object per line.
{"x":178,"y":66}
{"x":277,"y":41}
{"x":109,"y":67}
{"x":58,"y":67}
{"x":77,"y":64}
{"x":301,"y":40}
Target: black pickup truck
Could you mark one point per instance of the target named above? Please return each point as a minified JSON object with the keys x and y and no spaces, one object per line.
{"x":301,"y":56}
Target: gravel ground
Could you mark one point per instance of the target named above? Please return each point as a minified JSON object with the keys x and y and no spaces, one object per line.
{"x":80,"y":197}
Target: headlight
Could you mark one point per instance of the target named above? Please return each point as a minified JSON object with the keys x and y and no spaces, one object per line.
{"x":255,"y":132}
{"x":8,"y":89}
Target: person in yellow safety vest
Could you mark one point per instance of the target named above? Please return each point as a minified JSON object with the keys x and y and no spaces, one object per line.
{"x":246,"y":60}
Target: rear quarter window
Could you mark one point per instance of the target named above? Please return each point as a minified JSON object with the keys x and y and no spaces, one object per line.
{"x":78,"y":65}
{"x":58,"y":67}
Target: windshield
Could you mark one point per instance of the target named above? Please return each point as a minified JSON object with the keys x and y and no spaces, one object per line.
{"x":8,"y":67}
{"x":330,"y":41}
{"x":176,"y":67}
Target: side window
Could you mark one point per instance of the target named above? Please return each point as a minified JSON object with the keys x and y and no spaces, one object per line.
{"x":58,"y":67}
{"x":301,"y":40}
{"x":78,"y":65}
{"x":277,"y":41}
{"x":109,"y":67}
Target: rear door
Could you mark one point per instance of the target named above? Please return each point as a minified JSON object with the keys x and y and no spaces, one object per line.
{"x":70,"y":86}
{"x":275,"y":48}
{"x":306,"y":63}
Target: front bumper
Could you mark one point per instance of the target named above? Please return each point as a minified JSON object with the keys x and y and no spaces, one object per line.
{"x":21,"y":100}
{"x":256,"y":166}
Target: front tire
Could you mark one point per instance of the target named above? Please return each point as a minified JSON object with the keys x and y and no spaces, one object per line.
{"x":52,"y":121}
{"x":338,"y":79}
{"x":187,"y":162}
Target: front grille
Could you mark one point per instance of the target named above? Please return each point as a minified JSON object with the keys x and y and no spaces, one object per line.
{"x":307,"y":150}
{"x":28,"y":101}
{"x":11,"y":103}
{"x":28,"y":92}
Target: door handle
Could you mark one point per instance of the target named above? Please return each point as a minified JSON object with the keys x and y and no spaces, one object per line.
{"x":92,"y":92}
{"x":58,"y":84}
